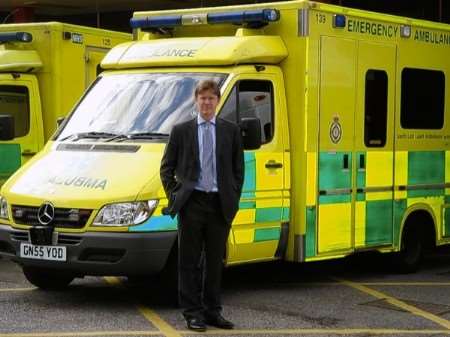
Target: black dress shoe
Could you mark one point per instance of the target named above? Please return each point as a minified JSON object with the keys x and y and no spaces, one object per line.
{"x":196,"y":324}
{"x":218,"y":321}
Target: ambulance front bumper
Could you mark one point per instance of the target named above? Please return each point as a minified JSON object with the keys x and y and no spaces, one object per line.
{"x":97,"y":253}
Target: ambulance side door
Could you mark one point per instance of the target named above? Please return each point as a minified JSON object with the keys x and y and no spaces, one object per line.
{"x":19,"y":97}
{"x":336,"y":143}
{"x":374,"y":144}
{"x":256,"y":228}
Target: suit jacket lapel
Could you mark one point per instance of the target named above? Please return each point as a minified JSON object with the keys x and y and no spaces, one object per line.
{"x":219,"y":139}
{"x":194,"y":137}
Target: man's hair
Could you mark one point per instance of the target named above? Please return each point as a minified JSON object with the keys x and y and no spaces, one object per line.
{"x":207,"y":85}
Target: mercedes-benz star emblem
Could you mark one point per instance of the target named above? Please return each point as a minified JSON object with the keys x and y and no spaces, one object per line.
{"x":46,"y":213}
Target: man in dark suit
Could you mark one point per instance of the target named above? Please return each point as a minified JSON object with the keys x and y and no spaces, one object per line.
{"x":202,"y":172}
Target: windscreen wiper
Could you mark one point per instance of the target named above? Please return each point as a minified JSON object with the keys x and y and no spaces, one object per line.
{"x":147,"y":135}
{"x":92,"y":134}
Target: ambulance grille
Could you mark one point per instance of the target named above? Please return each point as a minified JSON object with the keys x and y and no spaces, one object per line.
{"x":63,"y":239}
{"x":64,"y":217}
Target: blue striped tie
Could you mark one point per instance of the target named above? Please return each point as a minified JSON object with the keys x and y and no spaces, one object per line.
{"x":207,"y":157}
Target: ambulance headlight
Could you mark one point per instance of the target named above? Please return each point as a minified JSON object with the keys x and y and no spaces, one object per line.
{"x":125,"y":214}
{"x":3,"y":209}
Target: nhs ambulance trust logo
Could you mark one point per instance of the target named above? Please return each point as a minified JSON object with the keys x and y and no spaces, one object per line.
{"x":335,"y":130}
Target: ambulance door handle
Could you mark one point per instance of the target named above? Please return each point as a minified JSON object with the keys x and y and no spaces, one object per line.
{"x":28,"y":152}
{"x":345,"y":162}
{"x":272,"y":164}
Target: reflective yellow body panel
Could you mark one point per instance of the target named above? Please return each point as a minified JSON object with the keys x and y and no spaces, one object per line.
{"x":334,"y":230}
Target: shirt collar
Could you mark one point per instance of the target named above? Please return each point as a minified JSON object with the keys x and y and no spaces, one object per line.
{"x":200,"y":120}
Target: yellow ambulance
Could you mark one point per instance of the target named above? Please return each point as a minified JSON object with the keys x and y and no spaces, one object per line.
{"x":345,"y":117}
{"x":44,"y":69}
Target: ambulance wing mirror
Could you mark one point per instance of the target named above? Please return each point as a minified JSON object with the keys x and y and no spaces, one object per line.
{"x":251,"y":133}
{"x":6,"y":127}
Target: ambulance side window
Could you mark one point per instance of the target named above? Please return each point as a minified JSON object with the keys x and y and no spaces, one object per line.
{"x":229,"y":109}
{"x":423,"y":97}
{"x":252,"y":98}
{"x":14,"y":100}
{"x":375,"y":106}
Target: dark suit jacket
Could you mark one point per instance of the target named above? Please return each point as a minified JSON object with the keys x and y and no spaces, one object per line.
{"x":180,"y":165}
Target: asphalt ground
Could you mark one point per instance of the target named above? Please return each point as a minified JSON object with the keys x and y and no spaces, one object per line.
{"x":357,"y":296}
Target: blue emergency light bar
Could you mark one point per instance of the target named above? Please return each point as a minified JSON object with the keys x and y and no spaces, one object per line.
{"x":255,"y":17}
{"x":15,"y":37}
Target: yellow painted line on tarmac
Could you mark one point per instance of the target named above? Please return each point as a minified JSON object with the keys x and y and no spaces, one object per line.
{"x":83,"y":334}
{"x":427,"y":284}
{"x":398,"y":303}
{"x":308,"y":332}
{"x":114,"y":281}
{"x":163,"y":327}
{"x":309,"y":284}
{"x":414,"y":284}
{"x":6,"y":290}
{"x":158,"y":322}
{"x":235,"y":332}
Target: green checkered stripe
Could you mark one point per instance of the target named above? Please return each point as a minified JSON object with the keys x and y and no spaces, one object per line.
{"x":424,"y":168}
{"x":10,"y":160}
{"x":333,"y":176}
{"x":262,"y":215}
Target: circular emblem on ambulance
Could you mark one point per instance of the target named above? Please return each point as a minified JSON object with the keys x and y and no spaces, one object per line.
{"x":46,"y":213}
{"x":335,"y":131}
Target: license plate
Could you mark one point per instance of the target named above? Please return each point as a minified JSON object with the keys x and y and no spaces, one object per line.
{"x":50,"y":253}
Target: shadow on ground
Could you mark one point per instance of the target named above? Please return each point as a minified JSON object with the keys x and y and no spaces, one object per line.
{"x":268,"y":275}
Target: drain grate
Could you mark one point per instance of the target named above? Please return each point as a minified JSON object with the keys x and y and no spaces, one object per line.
{"x":432,"y":308}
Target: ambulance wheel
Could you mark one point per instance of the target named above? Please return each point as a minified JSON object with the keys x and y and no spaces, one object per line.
{"x":47,"y":279}
{"x":411,"y":251}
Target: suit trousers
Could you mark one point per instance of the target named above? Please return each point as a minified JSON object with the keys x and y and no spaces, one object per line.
{"x":202,"y":235}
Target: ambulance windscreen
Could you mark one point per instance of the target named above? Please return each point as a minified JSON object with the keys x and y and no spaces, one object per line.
{"x":131,"y":104}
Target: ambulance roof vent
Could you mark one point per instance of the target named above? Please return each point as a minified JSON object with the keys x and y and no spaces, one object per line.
{"x":15,"y":37}
{"x":250,"y":18}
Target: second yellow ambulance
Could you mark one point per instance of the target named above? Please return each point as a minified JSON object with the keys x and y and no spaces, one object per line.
{"x":44,"y":69}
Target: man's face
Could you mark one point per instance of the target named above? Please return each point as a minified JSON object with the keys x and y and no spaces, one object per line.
{"x":207,"y":103}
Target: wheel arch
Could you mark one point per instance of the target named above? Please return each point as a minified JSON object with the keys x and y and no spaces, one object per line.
{"x":413,"y":216}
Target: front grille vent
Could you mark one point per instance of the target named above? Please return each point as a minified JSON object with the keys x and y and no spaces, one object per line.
{"x":64,"y":217}
{"x":19,"y":236}
{"x":64,"y":239}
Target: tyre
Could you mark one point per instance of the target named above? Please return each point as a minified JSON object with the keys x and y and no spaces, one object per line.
{"x":47,"y":279}
{"x":411,"y":251}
